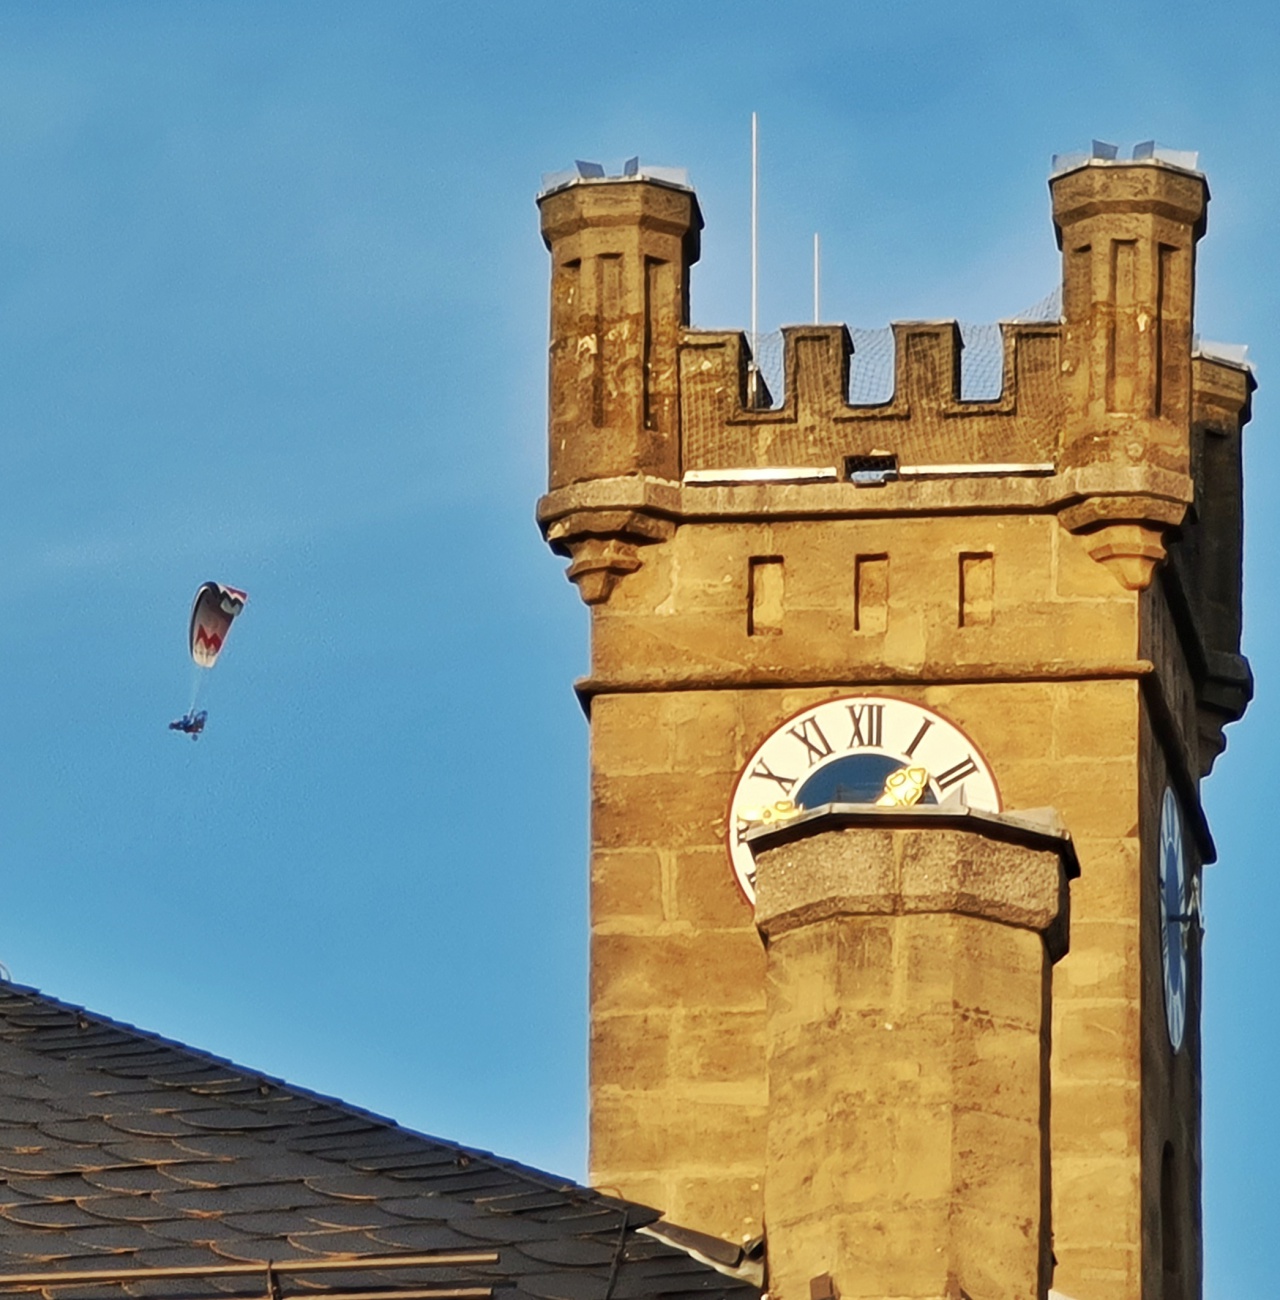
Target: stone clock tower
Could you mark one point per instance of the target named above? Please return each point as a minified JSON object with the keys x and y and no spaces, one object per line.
{"x":974,"y":608}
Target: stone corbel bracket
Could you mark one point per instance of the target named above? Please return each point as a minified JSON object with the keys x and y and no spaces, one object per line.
{"x":1221,"y":699}
{"x":1125,"y":516}
{"x":602,"y":524}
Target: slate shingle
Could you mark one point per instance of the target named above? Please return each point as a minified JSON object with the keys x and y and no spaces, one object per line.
{"x":132,"y":1179}
{"x":50,"y":1214}
{"x":415,"y":1237}
{"x":145,"y":1124}
{"x":349,"y":1214}
{"x":183,"y":1231}
{"x":127,"y":1208}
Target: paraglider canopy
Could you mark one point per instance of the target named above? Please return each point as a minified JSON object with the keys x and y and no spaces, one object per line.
{"x":211,"y":614}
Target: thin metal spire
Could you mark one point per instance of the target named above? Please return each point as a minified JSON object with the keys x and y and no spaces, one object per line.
{"x":752,"y":382}
{"x":817,"y":259}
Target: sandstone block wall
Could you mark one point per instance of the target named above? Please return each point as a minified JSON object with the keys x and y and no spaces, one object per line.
{"x":908,"y":1003}
{"x":1057,"y":573}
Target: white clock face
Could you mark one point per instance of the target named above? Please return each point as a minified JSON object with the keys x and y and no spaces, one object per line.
{"x":844,"y":751}
{"x":1173,"y":918}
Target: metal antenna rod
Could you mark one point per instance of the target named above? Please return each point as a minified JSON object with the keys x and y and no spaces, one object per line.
{"x":817,"y":317}
{"x":755,"y":257}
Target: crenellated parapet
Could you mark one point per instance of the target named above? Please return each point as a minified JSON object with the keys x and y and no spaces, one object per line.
{"x":1108,"y":420}
{"x":1101,"y":401}
{"x":924,"y":423}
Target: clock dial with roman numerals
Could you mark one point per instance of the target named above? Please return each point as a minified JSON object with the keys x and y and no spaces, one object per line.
{"x":843,"y":751}
{"x":1175,"y":917}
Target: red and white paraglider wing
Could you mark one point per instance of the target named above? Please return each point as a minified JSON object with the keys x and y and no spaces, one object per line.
{"x":211,"y":615}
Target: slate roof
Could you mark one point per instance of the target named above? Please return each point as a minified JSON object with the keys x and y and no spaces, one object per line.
{"x":120,"y":1151}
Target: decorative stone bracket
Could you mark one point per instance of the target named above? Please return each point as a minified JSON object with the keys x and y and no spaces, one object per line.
{"x":603,"y":546}
{"x":1124,"y":516}
{"x":602,"y":524}
{"x":1222,"y":699}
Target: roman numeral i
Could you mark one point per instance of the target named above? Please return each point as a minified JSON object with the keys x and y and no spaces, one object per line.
{"x":953,"y":775}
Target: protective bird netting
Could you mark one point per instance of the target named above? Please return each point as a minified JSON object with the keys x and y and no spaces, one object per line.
{"x":1009,"y":409}
{"x":871,"y":369}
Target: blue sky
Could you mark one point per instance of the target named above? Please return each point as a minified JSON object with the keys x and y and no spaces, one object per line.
{"x":273,"y":312}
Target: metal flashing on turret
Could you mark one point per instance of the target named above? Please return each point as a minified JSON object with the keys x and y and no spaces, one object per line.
{"x":1103,"y":154}
{"x":1228,"y":354}
{"x":585,"y":173}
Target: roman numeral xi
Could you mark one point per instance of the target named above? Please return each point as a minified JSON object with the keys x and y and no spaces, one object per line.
{"x":809,"y":734}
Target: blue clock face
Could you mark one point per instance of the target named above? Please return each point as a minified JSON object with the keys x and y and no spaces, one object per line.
{"x":1174,"y":918}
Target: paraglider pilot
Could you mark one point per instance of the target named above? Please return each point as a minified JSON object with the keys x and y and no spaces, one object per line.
{"x":192,"y":724}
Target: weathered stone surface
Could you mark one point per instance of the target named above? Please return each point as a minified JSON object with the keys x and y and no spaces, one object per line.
{"x":1090,"y":671}
{"x":856,"y":869}
{"x":907,"y":1050}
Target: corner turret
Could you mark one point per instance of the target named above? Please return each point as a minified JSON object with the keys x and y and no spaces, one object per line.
{"x":1128,"y":233}
{"x":621,"y":250}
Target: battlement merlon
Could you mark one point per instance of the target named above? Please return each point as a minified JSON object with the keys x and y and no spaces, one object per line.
{"x":1098,"y":406}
